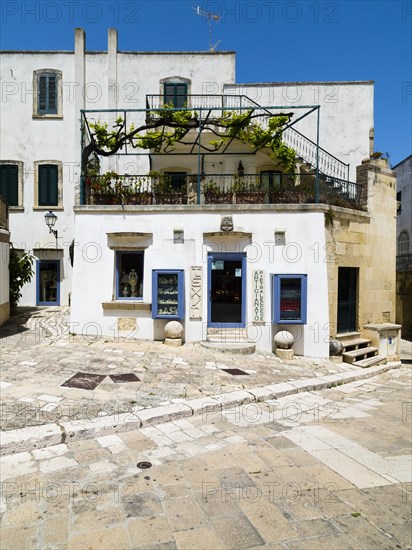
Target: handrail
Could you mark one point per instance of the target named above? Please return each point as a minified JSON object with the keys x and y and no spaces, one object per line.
{"x":329,"y":165}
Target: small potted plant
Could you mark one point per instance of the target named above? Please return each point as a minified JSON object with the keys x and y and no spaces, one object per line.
{"x":164,"y":192}
{"x":247,"y":192}
{"x":215,"y":195}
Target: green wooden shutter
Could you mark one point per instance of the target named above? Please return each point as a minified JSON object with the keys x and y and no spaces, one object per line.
{"x":47,"y":94}
{"x":169,"y":93}
{"x":48,"y":185}
{"x":42,"y":91}
{"x":180,"y":95}
{"x":9,"y":183}
{"x":52,"y":94}
{"x":175,"y":94}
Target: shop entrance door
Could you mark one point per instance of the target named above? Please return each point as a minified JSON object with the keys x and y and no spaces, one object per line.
{"x":226,"y":289}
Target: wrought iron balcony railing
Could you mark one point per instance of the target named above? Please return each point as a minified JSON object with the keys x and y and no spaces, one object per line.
{"x":404,"y":262}
{"x":221,"y":189}
{"x":156,"y":103}
{"x":305,"y":148}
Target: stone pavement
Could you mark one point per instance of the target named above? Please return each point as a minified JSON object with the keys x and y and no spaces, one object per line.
{"x":56,"y":386}
{"x":325,"y":469}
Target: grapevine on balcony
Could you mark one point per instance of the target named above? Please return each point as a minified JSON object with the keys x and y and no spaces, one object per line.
{"x":167,"y":127}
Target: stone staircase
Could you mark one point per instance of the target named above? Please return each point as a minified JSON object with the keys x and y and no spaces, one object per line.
{"x":358,"y":351}
{"x":230,"y":340}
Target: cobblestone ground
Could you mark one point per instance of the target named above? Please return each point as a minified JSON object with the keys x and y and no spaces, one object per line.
{"x":38,"y":355}
{"x":328,"y":469}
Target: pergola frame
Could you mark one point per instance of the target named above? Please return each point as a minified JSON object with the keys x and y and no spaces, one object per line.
{"x":203,"y":120}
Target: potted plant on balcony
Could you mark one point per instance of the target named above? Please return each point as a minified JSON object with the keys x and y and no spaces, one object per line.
{"x":215,"y":195}
{"x":247,"y":192}
{"x":106,"y":189}
{"x":163,"y":190}
{"x":137,"y":193}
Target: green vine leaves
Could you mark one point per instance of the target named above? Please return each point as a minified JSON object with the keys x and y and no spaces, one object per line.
{"x":164,"y":128}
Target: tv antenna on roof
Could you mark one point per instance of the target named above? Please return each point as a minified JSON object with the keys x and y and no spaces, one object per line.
{"x":210,"y":18}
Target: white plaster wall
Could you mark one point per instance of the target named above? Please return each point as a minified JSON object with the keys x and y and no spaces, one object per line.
{"x":59,"y":140}
{"x":346,"y":113}
{"x":94,"y":274}
{"x":39,"y":139}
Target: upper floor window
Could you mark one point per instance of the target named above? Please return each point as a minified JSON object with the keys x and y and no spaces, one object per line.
{"x":403,"y":243}
{"x":47,"y":93}
{"x":48,"y":184}
{"x":11,"y":177}
{"x":175,"y":93}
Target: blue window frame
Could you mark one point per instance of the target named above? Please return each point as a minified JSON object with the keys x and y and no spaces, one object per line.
{"x":48,"y":282}
{"x":47,"y":94}
{"x":226,"y":290}
{"x":289,"y":299}
{"x":175,"y":93}
{"x":129,"y":275}
{"x":9,"y":183}
{"x":48,"y":180}
{"x":168,"y":294}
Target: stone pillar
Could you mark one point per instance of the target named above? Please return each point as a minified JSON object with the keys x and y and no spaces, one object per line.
{"x":79,"y":98}
{"x":378,"y":279}
{"x":371,"y":141}
{"x":112,"y":92}
{"x":112,"y":88}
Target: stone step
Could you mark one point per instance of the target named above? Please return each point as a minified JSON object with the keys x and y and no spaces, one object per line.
{"x":238,"y":335}
{"x":362,"y":353}
{"x":355,"y":343}
{"x":243,"y":348}
{"x":370,"y":361}
{"x":348,"y":336}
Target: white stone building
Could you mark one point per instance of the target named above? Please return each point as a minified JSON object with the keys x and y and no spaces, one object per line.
{"x":253,"y":268}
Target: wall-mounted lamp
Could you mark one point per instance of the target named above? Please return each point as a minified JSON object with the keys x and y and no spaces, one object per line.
{"x":50,"y":221}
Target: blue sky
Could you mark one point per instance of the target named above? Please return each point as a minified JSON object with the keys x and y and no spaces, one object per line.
{"x":274,"y":40}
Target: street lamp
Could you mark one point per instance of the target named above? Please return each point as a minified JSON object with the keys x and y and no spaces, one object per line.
{"x":50,"y":221}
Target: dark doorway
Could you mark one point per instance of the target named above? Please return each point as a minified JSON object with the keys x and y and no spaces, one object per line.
{"x":226,"y":289}
{"x":347,"y":299}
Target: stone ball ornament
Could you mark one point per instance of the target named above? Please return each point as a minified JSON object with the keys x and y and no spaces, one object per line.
{"x":335,"y":347}
{"x":284,"y":339}
{"x":173,"y":329}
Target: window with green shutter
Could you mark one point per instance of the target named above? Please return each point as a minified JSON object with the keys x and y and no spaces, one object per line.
{"x":175,"y":94}
{"x":47,"y":93}
{"x":9,"y":183}
{"x":48,"y":177}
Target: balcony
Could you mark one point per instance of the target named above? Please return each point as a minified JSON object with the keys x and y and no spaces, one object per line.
{"x":404,"y":262}
{"x":213,"y":189}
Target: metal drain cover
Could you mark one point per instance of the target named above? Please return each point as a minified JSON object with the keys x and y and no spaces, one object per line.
{"x":236,"y":372}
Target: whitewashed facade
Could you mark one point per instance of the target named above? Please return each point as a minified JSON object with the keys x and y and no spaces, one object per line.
{"x":169,"y":237}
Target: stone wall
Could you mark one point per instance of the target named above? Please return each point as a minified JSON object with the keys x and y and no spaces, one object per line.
{"x":367,"y":241}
